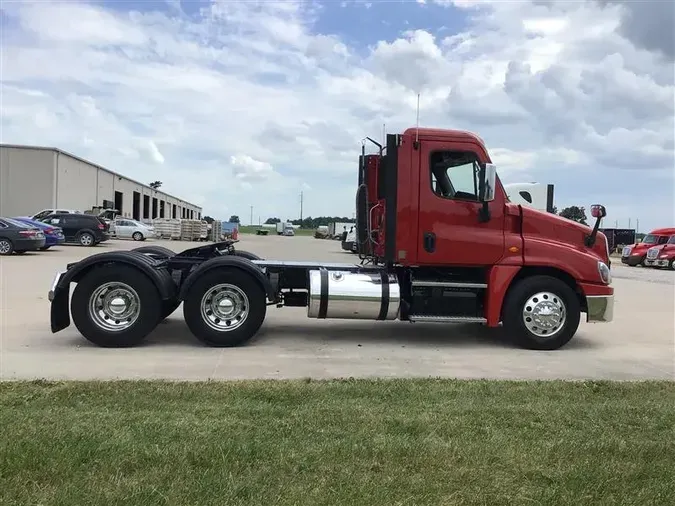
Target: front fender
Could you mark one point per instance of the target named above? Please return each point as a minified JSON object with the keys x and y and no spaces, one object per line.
{"x":229,"y":261}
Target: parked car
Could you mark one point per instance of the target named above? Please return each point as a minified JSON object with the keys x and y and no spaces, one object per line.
{"x":636,"y":254}
{"x":46,"y":212}
{"x":53,"y":235}
{"x":662,"y":256}
{"x":84,"y":229}
{"x":125,"y":228}
{"x":18,"y":237}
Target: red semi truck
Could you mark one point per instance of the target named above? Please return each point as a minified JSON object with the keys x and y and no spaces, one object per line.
{"x":438,"y":242}
{"x":636,"y":254}
{"x":663,"y":255}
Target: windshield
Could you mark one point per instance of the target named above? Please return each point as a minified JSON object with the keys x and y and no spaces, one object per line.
{"x":650,"y":239}
{"x":671,"y":240}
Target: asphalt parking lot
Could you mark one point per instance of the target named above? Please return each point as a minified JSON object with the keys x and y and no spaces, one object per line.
{"x":639,"y":344}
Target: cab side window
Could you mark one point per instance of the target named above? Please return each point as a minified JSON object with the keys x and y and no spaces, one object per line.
{"x":454,"y":175}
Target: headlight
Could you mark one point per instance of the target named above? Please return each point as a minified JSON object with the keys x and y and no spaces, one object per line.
{"x":605,"y":274}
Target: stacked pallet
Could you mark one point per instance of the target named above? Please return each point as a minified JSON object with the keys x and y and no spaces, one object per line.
{"x":216,"y":231}
{"x":167,"y":228}
{"x":203,"y":231}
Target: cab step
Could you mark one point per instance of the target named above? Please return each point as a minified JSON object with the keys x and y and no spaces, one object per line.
{"x":446,"y":319}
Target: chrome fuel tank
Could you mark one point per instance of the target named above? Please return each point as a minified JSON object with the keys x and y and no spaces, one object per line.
{"x":352,"y":295}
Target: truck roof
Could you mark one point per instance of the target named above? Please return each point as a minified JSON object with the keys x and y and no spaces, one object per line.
{"x":444,"y":133}
{"x":663,"y":231}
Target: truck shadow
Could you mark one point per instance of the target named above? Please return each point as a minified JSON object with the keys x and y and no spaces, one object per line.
{"x":175,"y":332}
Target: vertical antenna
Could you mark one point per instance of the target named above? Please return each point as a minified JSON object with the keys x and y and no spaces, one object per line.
{"x":417,"y":131}
{"x":384,"y":134}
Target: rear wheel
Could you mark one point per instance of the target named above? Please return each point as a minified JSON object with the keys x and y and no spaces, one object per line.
{"x":6,"y":246}
{"x":541,"y":313}
{"x":115,"y":306}
{"x":225,"y":308}
{"x":137,"y":236}
{"x":86,"y":239}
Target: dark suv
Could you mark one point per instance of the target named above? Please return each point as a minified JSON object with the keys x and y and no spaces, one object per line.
{"x":84,"y":229}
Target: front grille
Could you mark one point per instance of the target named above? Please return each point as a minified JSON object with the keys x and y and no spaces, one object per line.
{"x":652,"y":253}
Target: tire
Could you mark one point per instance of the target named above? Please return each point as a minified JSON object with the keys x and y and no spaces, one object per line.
{"x":6,"y":247}
{"x":156,"y":251}
{"x":246,"y":254}
{"x":86,"y":239}
{"x":137,"y":236}
{"x":671,"y":264}
{"x":545,"y":290}
{"x":253,"y":303}
{"x":45,"y":248}
{"x":88,"y":322}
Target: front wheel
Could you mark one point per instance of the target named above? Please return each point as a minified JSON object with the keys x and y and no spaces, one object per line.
{"x":225,"y":308}
{"x":115,"y":306}
{"x":541,"y":313}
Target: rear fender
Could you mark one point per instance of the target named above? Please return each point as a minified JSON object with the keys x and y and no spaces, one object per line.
{"x":59,"y":295}
{"x":233,"y":262}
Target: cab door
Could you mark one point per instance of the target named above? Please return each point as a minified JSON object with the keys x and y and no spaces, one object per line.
{"x":450,"y":230}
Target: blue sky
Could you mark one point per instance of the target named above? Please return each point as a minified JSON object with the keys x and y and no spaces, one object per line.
{"x":265,"y":100}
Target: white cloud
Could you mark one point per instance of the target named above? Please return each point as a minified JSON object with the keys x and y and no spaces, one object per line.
{"x":245,"y":103}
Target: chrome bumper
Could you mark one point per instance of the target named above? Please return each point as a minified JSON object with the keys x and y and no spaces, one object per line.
{"x":600,"y":308}
{"x":55,"y":282}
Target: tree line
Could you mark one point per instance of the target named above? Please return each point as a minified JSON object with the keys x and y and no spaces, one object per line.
{"x":310,"y":222}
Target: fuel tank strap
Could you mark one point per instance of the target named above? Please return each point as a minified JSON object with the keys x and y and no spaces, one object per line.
{"x":323,"y":301}
{"x":384,"y":305}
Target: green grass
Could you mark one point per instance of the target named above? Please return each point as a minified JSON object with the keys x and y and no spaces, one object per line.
{"x":413,"y":442}
{"x":251,"y":229}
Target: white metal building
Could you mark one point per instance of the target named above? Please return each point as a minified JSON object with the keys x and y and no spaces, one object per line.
{"x":33,"y":178}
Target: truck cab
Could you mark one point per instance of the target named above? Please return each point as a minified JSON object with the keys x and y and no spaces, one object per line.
{"x":431,"y":202}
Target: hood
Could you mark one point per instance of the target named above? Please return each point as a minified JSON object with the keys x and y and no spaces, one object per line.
{"x":559,"y":229}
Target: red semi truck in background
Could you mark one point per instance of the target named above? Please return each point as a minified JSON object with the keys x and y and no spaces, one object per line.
{"x":636,"y":254}
{"x":662,"y":256}
{"x":438,"y":242}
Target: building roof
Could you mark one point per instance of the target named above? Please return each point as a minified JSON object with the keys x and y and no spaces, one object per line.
{"x":61,"y":151}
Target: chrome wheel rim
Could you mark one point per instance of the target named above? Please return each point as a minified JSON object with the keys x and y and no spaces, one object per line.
{"x":86,"y":239}
{"x":137,"y":236}
{"x":114,"y":306}
{"x":224,"y":307}
{"x":544,"y":314}
{"x":4,"y":247}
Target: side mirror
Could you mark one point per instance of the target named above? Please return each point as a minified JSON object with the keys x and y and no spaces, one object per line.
{"x":598,"y":211}
{"x":488,"y":183}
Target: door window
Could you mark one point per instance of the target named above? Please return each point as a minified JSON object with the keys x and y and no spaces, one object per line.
{"x":454,"y":175}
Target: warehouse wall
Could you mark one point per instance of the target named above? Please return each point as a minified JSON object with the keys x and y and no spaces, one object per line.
{"x":32,"y":179}
{"x":26,"y":180}
{"x":76,"y":183}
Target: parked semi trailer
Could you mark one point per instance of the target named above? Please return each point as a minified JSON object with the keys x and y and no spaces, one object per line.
{"x":437,"y":239}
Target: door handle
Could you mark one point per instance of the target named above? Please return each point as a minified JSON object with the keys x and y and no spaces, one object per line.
{"x":430,"y":242}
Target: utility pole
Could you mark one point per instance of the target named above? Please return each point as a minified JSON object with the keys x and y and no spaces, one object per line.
{"x":301,"y":198}
{"x":251,"y":222}
{"x":637,"y":225}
